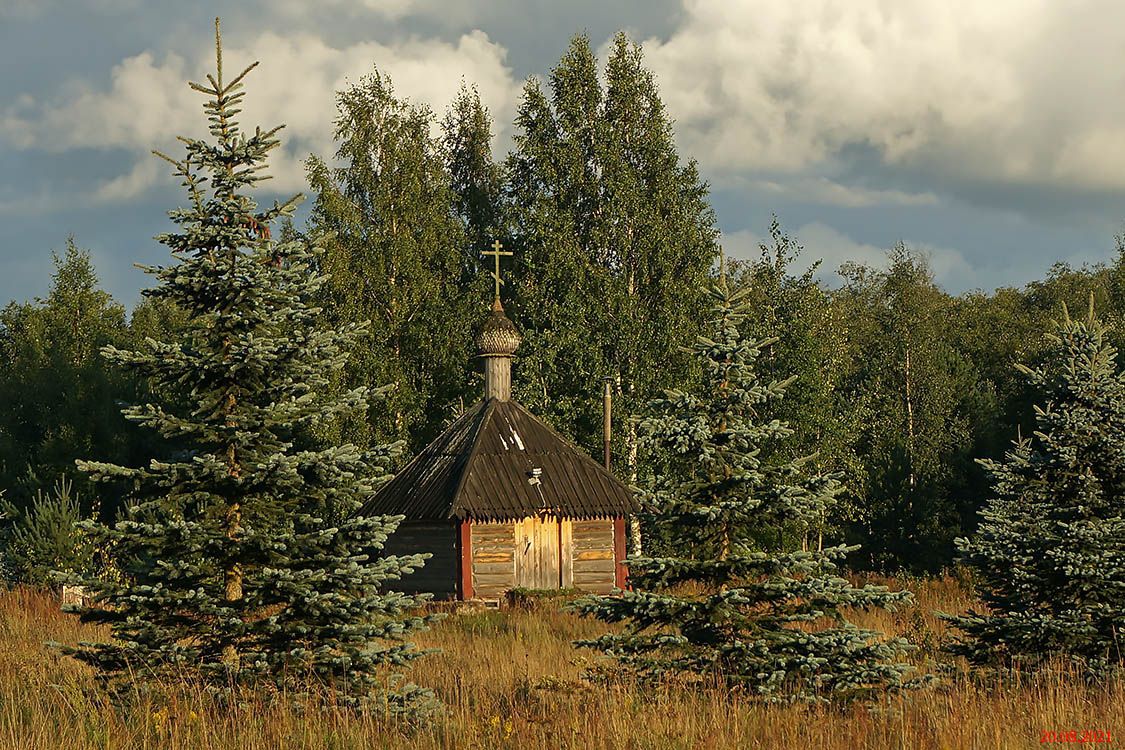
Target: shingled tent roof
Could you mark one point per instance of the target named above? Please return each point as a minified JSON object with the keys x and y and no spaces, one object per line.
{"x":480,"y":468}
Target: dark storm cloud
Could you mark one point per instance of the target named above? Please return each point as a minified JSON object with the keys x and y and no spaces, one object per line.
{"x":860,"y":124}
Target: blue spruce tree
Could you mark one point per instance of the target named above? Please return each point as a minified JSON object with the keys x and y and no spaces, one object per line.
{"x":1049,"y":553}
{"x":766,"y":621}
{"x":243,"y":562}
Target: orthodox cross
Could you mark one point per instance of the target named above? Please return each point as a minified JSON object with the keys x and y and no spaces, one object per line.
{"x":496,"y":252}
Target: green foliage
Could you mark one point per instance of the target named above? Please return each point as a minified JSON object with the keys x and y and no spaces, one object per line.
{"x":1048,"y":554}
{"x":731,"y":606}
{"x":917,"y":393}
{"x":900,"y":385}
{"x":814,"y":344}
{"x":46,"y":537}
{"x":536,"y":598}
{"x":59,"y":397}
{"x":243,"y":562}
{"x":613,"y":238}
{"x":475,"y":179}
{"x":396,"y":255}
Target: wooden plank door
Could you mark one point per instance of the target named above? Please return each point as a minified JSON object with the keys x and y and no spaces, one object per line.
{"x":539,"y":563}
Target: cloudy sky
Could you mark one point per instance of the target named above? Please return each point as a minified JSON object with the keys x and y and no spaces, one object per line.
{"x":991,"y":135}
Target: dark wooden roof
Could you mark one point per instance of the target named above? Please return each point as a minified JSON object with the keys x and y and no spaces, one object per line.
{"x":482,"y":467}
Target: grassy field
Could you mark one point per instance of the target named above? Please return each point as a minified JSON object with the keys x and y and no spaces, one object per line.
{"x":510,"y":679}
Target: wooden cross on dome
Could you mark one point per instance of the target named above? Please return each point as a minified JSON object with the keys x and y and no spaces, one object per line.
{"x":496,"y":252}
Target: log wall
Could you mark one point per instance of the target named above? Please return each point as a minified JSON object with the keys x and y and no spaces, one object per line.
{"x":439,"y":575}
{"x":494,"y":562}
{"x":526,"y":553}
{"x":594,"y":565}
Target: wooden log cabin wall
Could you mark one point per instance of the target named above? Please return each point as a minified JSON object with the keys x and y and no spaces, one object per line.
{"x":501,"y":501}
{"x":543,"y":553}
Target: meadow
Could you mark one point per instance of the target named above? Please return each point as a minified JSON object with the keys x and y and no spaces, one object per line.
{"x":510,"y":678}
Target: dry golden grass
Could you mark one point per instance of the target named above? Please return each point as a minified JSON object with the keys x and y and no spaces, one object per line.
{"x":510,"y":679}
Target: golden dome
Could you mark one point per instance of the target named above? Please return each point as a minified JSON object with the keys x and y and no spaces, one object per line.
{"x":498,"y":337}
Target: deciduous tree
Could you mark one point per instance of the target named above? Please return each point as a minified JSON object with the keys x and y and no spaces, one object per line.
{"x":397,"y":256}
{"x":614,"y":238}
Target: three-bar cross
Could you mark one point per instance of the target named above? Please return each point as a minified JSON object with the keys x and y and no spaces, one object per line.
{"x":496,"y":252}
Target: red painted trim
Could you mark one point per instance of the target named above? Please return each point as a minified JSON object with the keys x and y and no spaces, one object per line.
{"x":621,"y":572}
{"x":465,"y":550}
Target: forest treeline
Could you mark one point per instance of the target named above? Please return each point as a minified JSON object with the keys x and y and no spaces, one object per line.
{"x":900,"y":385}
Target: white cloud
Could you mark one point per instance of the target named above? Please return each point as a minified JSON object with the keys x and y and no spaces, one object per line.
{"x":389,"y":9}
{"x":145,"y":99}
{"x":25,"y":9}
{"x":741,"y":244}
{"x":827,"y":192}
{"x":365,"y":10}
{"x":144,"y":174}
{"x":24,"y":204}
{"x":1008,"y":90}
{"x":148,"y":101}
{"x":833,"y":248}
{"x":18,"y":8}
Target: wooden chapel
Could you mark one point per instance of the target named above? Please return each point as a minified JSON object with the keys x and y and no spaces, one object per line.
{"x":501,"y":500}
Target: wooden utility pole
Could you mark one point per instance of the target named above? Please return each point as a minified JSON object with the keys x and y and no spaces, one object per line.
{"x":607,"y":420}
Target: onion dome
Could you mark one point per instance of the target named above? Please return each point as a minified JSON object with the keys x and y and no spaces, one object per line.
{"x":498,"y":337}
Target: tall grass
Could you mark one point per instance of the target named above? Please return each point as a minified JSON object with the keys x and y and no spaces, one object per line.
{"x":510,"y":679}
